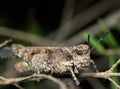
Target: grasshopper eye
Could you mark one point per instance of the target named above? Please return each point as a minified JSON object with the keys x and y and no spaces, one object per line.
{"x":79,"y":52}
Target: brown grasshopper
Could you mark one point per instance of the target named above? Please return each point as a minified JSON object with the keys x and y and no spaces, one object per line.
{"x":53,"y":60}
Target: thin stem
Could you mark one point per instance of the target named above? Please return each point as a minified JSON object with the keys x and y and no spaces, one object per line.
{"x":117,"y":86}
{"x":114,"y":65}
{"x":5,"y":43}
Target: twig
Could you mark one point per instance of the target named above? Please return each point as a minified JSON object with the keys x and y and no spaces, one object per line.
{"x":117,"y":86}
{"x":4,"y":79}
{"x":7,"y":81}
{"x":18,"y":86}
{"x":5,"y":43}
{"x":114,"y":65}
{"x":107,"y":74}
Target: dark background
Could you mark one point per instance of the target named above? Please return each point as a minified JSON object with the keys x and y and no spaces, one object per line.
{"x":61,"y":23}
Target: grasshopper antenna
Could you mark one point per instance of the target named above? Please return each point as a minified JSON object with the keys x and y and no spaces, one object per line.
{"x":90,"y":49}
{"x":88,"y":39}
{"x":101,"y":38}
{"x":88,"y":43}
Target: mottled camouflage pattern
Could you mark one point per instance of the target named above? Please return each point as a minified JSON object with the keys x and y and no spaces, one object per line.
{"x":52,"y":60}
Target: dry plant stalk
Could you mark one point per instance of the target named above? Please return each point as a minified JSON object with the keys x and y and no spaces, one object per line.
{"x":8,"y":81}
{"x":5,"y":43}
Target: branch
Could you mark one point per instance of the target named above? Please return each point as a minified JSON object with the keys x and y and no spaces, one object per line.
{"x":5,"y":43}
{"x":107,"y":74}
{"x":8,"y":81}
